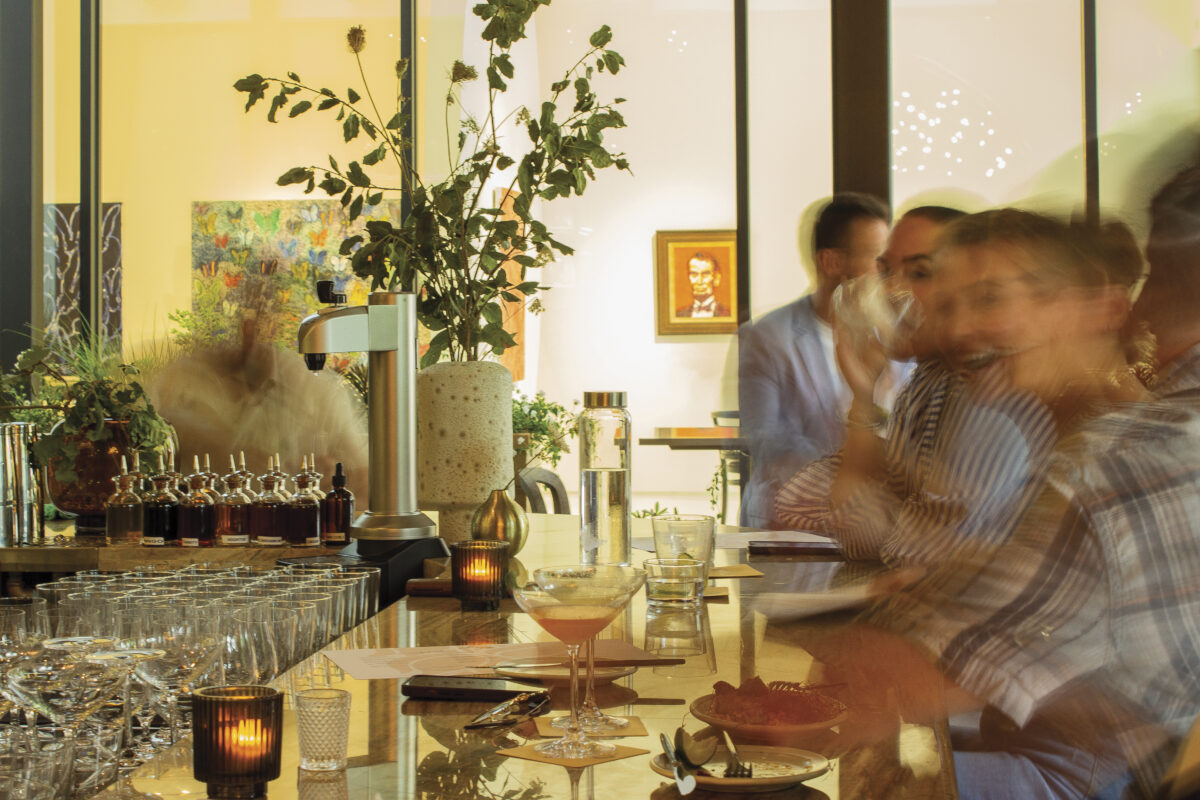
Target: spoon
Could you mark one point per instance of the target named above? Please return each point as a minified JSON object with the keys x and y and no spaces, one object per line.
{"x":684,"y":780}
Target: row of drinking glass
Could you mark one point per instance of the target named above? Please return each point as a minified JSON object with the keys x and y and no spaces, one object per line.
{"x":139,"y":640}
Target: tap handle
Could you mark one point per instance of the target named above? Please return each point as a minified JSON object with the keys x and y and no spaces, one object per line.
{"x":327,"y":296}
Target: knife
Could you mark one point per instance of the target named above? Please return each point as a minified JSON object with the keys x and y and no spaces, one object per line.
{"x":684,"y":780}
{"x":600,"y":662}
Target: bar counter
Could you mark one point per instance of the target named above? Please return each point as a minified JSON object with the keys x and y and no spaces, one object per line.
{"x":405,"y":749}
{"x":69,"y":555}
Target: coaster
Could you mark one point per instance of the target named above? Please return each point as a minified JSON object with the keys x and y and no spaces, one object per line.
{"x":716,"y":592}
{"x":634,"y":728}
{"x":734,"y":571}
{"x":528,"y":753}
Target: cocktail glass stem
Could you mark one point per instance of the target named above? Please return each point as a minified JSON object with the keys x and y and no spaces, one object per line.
{"x":591,"y":717}
{"x":573,"y":730}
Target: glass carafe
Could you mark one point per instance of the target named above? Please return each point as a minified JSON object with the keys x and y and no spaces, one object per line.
{"x":604,"y":477}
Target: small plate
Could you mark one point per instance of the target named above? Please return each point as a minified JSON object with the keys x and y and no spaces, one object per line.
{"x":561,"y":676}
{"x":774,"y":768}
{"x":702,"y":710}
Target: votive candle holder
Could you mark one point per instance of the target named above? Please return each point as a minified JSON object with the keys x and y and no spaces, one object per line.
{"x":477,"y":571}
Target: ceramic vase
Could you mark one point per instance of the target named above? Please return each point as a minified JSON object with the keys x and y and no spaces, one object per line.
{"x":95,"y":467}
{"x":464,"y":440}
{"x":500,"y":519}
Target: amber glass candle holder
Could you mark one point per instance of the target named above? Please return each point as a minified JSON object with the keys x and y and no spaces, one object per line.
{"x":477,"y":569}
{"x":236,"y":739}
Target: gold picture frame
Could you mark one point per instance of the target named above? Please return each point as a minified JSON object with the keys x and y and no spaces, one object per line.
{"x":696,"y":285}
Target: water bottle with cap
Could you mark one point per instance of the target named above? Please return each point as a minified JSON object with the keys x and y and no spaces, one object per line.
{"x":604,"y":478}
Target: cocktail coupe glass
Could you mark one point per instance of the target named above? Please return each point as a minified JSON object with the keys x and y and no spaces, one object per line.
{"x":573,"y":604}
{"x":191,"y":648}
{"x":63,"y":684}
{"x":591,"y":718}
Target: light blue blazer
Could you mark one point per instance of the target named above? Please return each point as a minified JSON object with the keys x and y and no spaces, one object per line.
{"x":789,"y":399}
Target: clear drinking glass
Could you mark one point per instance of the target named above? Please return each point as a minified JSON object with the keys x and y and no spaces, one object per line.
{"x":675,"y":581}
{"x":323,"y":722}
{"x":684,"y":536}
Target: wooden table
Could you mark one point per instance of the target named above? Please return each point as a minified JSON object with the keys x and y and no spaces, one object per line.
{"x":712,"y":438}
{"x":406,"y":749}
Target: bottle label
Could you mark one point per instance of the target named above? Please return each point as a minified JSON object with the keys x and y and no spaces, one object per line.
{"x":335,"y":536}
{"x":312,"y":541}
{"x":235,"y":539}
{"x":189,"y":542}
{"x":153,"y":541}
{"x":270,"y":541}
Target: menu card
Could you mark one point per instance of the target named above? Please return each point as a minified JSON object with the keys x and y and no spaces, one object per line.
{"x":467,"y":659}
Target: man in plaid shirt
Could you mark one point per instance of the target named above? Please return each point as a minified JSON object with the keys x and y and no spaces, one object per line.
{"x":1082,"y":633}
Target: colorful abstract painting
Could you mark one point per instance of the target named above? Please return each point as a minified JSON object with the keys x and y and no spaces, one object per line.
{"x":261,"y":260}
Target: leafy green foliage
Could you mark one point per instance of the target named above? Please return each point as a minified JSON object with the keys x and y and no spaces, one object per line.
{"x":657,"y":511}
{"x":72,"y":389}
{"x":453,"y":242}
{"x":549,"y":425}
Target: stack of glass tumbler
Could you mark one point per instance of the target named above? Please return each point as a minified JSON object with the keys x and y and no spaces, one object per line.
{"x":96,"y":668}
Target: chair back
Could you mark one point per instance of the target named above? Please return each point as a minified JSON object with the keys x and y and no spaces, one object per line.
{"x":532,"y":479}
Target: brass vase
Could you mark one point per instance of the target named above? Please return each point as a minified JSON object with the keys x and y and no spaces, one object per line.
{"x":499,"y":519}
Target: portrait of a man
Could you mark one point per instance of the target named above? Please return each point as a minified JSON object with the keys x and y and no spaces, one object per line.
{"x":696,"y":281}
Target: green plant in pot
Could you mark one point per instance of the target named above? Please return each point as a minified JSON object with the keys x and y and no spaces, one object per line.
{"x":91,"y":410}
{"x":463,"y":251}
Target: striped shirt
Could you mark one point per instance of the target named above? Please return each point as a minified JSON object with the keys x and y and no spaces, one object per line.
{"x":961,"y":462}
{"x":1099,"y":586}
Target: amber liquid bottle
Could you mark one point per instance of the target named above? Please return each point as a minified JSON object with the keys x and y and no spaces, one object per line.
{"x":124,"y":512}
{"x":197,"y":523}
{"x":268,"y":512}
{"x":304,"y":514}
{"x":337,"y":509}
{"x":233,"y":514}
{"x":160,"y":528}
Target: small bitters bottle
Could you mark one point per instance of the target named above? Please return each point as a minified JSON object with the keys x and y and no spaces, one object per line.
{"x":233,"y":512}
{"x":268,"y":512}
{"x":178,"y":484}
{"x":197,"y":525}
{"x":304,"y":512}
{"x":281,"y":478}
{"x":212,"y":481}
{"x":161,"y":518}
{"x":123,"y":511}
{"x":337,"y":509}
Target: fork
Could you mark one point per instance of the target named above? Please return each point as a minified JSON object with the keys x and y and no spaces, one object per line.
{"x":734,"y":768}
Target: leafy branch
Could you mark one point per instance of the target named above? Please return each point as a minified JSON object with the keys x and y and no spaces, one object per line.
{"x":455,"y":241}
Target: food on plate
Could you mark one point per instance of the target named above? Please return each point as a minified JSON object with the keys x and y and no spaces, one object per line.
{"x":781,"y":703}
{"x":695,"y":752}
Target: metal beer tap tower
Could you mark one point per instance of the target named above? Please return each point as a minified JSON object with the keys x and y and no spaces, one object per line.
{"x":392,"y":533}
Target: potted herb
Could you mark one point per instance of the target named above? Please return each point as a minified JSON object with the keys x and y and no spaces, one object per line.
{"x":467,"y":242}
{"x":542,"y":429}
{"x":90,"y":410}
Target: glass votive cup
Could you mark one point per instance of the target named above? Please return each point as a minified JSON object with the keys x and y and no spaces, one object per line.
{"x":675,"y":581}
{"x":236,"y":739}
{"x":477,"y":573}
{"x":323,"y":722}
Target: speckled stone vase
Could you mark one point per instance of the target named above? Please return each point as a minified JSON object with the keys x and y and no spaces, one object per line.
{"x":464,"y":440}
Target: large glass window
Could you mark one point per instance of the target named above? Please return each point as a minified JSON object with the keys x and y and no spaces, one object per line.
{"x":987,"y":104}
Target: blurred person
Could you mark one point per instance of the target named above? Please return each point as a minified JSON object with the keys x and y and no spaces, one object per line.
{"x":791,"y":397}
{"x":704,"y":276}
{"x":255,"y":397}
{"x":1080,"y":630}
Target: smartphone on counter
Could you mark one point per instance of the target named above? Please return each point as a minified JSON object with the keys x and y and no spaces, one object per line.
{"x":438,"y":687}
{"x":828,"y":548}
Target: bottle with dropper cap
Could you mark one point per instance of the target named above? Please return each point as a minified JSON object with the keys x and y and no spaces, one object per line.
{"x":233,"y":511}
{"x":160,"y":526}
{"x":197,"y":525}
{"x":212,"y":481}
{"x":304,"y":511}
{"x":123,"y":510}
{"x":337,"y":509}
{"x":268,"y":513}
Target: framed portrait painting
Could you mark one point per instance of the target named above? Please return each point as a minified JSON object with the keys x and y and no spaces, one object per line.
{"x":696,"y":282}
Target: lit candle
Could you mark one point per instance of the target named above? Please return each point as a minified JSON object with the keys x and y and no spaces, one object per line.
{"x":477,"y":569}
{"x":235,"y":739}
